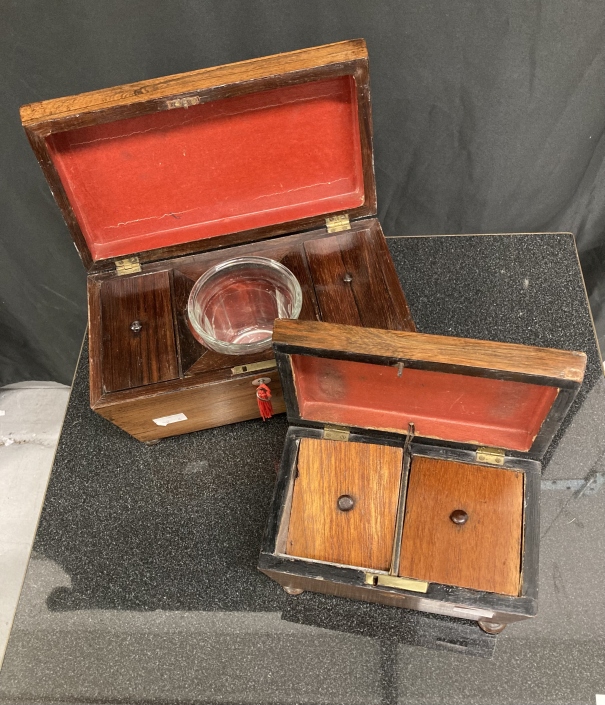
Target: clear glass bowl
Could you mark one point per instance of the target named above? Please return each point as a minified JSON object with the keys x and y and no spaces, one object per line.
{"x":233,"y":305}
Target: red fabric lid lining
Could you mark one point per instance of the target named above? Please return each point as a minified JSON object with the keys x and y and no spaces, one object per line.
{"x":453,"y":407}
{"x":225,"y":166}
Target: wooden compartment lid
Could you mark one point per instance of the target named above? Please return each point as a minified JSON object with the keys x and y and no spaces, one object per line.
{"x":210,"y":158}
{"x":468,"y":392}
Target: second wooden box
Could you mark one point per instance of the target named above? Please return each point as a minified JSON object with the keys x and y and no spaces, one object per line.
{"x":411,"y":473}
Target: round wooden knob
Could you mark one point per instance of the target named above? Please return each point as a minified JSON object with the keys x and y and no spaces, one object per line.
{"x":345,"y":503}
{"x":459,"y":516}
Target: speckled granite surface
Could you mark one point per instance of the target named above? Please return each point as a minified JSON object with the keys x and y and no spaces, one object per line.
{"x":143,"y":588}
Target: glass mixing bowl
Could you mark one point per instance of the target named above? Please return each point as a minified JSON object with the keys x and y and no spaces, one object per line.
{"x":232,"y":306}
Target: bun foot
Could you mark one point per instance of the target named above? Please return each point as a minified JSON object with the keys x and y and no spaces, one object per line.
{"x":292,"y":591}
{"x":491,"y":627}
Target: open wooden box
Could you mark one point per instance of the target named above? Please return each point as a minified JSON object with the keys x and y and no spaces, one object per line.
{"x":411,"y":473}
{"x":160,"y":180}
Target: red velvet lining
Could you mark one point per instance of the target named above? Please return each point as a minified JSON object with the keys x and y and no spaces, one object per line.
{"x":225,"y":166}
{"x":451,"y":407}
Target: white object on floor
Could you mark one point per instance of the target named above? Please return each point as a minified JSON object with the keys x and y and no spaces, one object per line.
{"x":31,"y":416}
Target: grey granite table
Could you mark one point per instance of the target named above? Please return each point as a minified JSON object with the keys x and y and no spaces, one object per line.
{"x":142,"y":586}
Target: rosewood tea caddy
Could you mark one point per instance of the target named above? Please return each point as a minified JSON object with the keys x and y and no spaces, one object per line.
{"x":161,"y":180}
{"x":410,"y":474}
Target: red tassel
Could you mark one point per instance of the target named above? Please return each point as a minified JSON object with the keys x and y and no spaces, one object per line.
{"x":263,"y":397}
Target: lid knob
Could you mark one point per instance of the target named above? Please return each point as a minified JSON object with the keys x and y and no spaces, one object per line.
{"x":345,"y":503}
{"x":459,"y":516}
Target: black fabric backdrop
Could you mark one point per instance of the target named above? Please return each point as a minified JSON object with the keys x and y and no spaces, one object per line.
{"x":488,"y":117}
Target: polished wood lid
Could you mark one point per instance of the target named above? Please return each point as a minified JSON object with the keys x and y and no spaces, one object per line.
{"x":210,"y":158}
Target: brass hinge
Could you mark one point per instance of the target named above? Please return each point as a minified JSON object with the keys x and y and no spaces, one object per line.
{"x":394,"y":581}
{"x":128,"y":265}
{"x":493,"y":456}
{"x":253,"y":367}
{"x":337,"y":223}
{"x":336,"y":433}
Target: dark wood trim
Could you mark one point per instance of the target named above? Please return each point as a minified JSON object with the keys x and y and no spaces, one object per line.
{"x":507,"y":614}
{"x":464,"y":455}
{"x":175,"y":324}
{"x":550,"y":426}
{"x":362,"y":82}
{"x":284,"y":367}
{"x":260,"y":248}
{"x":224,"y":241}
{"x":282,"y":484}
{"x":462,"y":597}
{"x":531,"y":534}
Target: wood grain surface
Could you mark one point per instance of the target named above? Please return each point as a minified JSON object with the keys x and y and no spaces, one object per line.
{"x":485,"y":552}
{"x":353,"y":277}
{"x":203,"y":79}
{"x":130,"y":358}
{"x":318,"y":529}
{"x":334,"y":293}
{"x":561,"y":365}
{"x":205,"y":406}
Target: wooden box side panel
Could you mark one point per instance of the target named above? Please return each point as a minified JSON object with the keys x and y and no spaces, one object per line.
{"x":204,"y":406}
{"x":393,"y":598}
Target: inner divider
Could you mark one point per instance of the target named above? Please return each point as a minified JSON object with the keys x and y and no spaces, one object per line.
{"x":403,"y":488}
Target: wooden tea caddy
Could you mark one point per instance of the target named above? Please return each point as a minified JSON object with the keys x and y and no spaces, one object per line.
{"x":411,"y":474}
{"x":160,"y":180}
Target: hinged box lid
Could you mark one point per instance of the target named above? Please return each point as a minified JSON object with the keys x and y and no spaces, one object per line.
{"x":210,"y":158}
{"x":476,"y":393}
